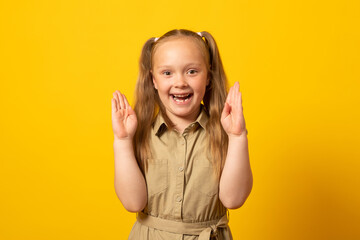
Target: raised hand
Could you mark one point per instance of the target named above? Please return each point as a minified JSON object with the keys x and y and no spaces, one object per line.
{"x":124,"y":121}
{"x":232,"y":117}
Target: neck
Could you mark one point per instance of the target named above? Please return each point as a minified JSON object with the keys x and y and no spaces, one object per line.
{"x":181,"y":123}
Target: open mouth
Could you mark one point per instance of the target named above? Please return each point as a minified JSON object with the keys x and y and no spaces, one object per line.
{"x":181,"y":97}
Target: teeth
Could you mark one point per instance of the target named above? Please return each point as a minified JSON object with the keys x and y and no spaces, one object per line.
{"x":182,"y":95}
{"x":179,"y":100}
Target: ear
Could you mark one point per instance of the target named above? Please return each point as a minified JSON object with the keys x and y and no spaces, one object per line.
{"x":153,"y":80}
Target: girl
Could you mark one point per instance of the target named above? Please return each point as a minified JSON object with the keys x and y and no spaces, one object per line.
{"x":181,"y":155}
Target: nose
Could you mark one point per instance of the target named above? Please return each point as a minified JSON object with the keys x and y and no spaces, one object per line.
{"x":180,"y":81}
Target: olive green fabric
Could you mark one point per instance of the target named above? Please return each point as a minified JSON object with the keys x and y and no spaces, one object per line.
{"x":181,"y":183}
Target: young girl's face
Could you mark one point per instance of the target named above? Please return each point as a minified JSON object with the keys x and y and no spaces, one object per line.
{"x":180,"y":75}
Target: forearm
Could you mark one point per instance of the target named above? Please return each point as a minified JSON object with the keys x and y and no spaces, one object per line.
{"x":236,"y":179}
{"x":129,"y":182}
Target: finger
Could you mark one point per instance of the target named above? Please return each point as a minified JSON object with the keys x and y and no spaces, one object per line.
{"x":124,"y":100}
{"x":121,"y":98}
{"x":237,"y":86}
{"x":238,"y":100}
{"x":228,"y":99}
{"x":113,"y":105}
{"x":234,"y":93}
{"x":117,"y":99}
{"x":127,"y":105}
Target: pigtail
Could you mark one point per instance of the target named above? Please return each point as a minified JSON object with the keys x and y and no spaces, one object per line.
{"x":145,"y":105}
{"x":214,"y":101}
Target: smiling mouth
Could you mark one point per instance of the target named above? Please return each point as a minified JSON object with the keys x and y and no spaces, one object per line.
{"x":181,"y":97}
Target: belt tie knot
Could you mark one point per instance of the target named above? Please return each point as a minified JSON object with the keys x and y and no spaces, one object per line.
{"x":212,"y":230}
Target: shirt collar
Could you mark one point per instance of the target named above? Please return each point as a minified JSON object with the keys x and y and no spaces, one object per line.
{"x":160,"y":125}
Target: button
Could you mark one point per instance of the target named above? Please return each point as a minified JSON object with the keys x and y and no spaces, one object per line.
{"x":178,"y":199}
{"x":181,"y":169}
{"x":191,"y":125}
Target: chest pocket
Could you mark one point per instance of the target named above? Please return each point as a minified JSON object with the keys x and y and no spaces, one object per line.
{"x":206,"y":181}
{"x":157,"y":176}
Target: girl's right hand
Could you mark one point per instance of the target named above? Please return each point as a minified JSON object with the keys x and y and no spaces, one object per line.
{"x":124,"y":121}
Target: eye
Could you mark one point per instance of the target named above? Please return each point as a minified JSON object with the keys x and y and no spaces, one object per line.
{"x":192,"y":71}
{"x":167,"y":73}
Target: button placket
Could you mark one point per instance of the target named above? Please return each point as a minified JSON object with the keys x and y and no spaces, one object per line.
{"x":180,"y":179}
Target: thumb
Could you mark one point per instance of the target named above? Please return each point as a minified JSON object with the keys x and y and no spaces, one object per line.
{"x":130,"y":110}
{"x":226,"y":111}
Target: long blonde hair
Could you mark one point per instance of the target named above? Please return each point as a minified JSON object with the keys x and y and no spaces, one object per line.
{"x":148,"y":103}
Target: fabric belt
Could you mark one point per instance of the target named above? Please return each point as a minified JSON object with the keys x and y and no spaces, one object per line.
{"x":204,"y":229}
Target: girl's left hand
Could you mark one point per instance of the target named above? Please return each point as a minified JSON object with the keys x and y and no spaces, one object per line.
{"x":232,"y":117}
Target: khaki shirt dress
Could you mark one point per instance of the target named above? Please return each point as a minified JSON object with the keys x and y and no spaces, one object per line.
{"x":183,"y":200}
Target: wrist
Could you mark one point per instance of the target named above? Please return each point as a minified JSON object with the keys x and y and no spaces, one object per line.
{"x":123,"y":141}
{"x":242,"y":135}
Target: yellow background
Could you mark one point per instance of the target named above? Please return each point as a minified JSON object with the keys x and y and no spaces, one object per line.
{"x":298,"y":64}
